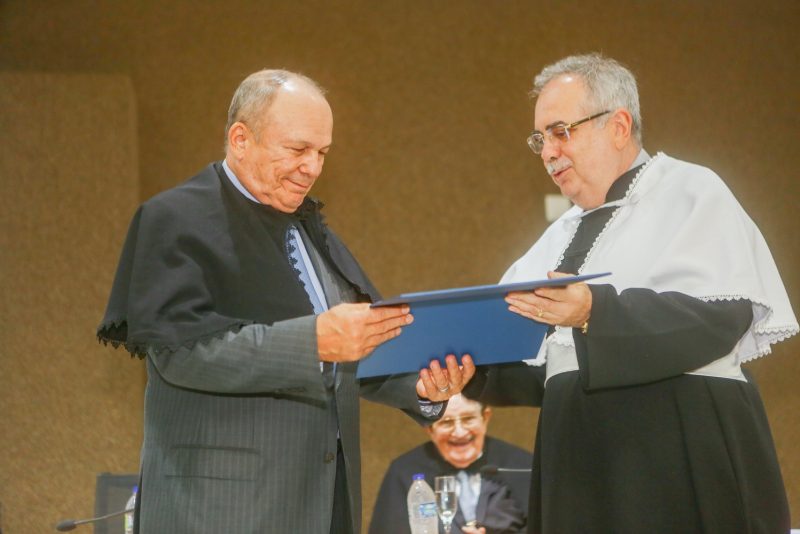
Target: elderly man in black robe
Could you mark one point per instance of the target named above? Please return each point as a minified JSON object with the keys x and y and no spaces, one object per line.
{"x":252,"y":315}
{"x":648,"y":422}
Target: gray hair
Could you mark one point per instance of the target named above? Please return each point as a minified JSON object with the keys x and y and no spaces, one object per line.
{"x":255,"y":95}
{"x":609,"y":83}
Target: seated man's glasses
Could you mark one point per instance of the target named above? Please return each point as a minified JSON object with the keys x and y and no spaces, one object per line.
{"x":449,"y":424}
{"x":559,"y":131}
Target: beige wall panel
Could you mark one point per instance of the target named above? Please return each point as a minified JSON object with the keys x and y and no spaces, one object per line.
{"x":70,"y":407}
{"x":430,"y":181}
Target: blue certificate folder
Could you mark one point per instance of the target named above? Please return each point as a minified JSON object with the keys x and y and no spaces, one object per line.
{"x":466,"y":320}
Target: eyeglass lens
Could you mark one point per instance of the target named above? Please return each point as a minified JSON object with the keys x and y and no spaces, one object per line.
{"x":559,"y":132}
{"x":467,"y":421}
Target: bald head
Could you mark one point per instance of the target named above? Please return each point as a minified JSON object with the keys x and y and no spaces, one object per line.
{"x":256,"y":94}
{"x":281,"y":131}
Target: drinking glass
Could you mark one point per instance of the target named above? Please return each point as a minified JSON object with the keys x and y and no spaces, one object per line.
{"x":446,"y":500}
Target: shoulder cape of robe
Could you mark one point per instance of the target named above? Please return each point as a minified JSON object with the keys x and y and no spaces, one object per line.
{"x":201,"y":259}
{"x":679,"y":228}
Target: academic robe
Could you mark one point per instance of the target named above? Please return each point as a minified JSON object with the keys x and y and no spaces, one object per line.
{"x":242,"y":431}
{"x":630,"y":443}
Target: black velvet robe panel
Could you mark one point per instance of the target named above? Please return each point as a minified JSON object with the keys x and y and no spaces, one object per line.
{"x":201,"y":259}
{"x":631,"y":444}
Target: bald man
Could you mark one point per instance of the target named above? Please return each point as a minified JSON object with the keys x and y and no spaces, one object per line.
{"x":251,"y":315}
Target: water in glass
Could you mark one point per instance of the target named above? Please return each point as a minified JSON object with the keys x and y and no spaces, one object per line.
{"x":446,"y":500}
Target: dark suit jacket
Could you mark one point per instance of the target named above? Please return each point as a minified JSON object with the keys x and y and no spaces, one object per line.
{"x":502,"y":502}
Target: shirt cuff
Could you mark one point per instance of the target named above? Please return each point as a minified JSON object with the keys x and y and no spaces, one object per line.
{"x":429,"y":408}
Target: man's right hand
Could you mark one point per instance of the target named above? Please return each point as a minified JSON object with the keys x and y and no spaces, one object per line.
{"x":350,"y":332}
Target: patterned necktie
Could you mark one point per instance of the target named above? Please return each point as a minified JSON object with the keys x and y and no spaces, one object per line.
{"x":302,"y":269}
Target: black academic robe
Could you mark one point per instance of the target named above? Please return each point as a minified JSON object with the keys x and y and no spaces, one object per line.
{"x":631,"y":444}
{"x":242,"y":432}
{"x":501,"y":504}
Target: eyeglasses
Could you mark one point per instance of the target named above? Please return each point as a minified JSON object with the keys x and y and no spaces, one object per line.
{"x":558,"y":131}
{"x":469,"y":422}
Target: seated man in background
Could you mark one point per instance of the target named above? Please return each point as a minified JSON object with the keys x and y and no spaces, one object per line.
{"x":487,"y":504}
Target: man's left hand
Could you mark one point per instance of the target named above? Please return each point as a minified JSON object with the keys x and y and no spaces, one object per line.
{"x":569,"y":305}
{"x":437,"y":384}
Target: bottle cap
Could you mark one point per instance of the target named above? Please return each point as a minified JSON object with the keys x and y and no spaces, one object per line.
{"x":419,"y":476}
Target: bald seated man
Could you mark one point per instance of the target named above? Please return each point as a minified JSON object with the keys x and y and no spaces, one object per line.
{"x":251,"y":315}
{"x":488,"y":502}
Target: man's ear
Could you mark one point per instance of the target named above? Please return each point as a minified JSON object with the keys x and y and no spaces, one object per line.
{"x":238,"y":137}
{"x":487,"y":414}
{"x":429,"y":430}
{"x":622,"y":122}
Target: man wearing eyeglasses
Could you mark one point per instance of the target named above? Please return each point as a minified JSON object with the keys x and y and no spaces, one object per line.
{"x":487,"y":503}
{"x":648,"y":422}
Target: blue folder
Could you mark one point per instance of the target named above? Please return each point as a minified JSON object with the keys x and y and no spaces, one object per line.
{"x":466,"y":320}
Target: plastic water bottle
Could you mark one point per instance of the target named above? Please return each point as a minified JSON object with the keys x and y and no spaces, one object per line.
{"x":129,"y":506}
{"x":422,"y":516}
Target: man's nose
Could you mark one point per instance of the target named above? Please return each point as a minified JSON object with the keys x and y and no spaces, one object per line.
{"x":459,"y":429}
{"x":312,"y":164}
{"x":551,"y":149}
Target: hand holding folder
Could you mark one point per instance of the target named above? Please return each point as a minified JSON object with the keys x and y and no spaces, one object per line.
{"x":468,"y":320}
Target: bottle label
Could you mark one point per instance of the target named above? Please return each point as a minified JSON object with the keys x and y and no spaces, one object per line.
{"x":427,"y":509}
